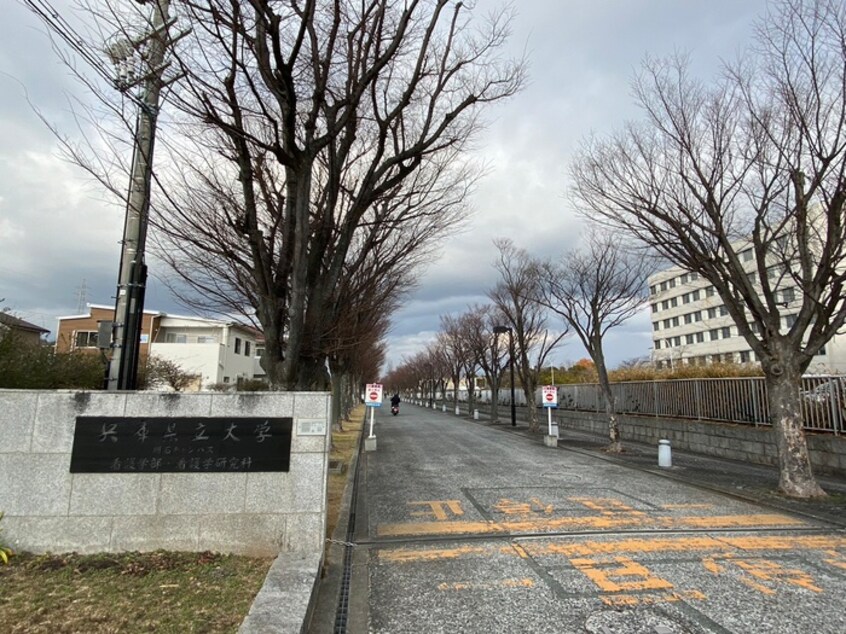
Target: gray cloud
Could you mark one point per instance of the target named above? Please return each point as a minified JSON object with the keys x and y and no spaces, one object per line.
{"x":56,"y":228}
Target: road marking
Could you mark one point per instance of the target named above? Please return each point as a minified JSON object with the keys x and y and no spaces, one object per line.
{"x":609,"y":522}
{"x":439,"y":509}
{"x":491,"y":585}
{"x":619,"y":574}
{"x":607,"y":506}
{"x":510,"y":507}
{"x":761,"y":574}
{"x":630,"y":600}
{"x":590,"y":548}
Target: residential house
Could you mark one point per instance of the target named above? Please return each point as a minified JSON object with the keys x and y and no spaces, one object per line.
{"x":26,"y":332}
{"x":218,"y":351}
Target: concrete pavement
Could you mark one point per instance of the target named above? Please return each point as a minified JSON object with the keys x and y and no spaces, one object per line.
{"x":464,"y":526}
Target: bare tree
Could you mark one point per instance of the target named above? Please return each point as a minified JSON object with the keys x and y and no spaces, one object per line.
{"x":753,"y":167}
{"x":596,"y":288}
{"x":345,"y":102}
{"x":315,"y":131}
{"x":517,"y":297}
{"x":489,"y":351}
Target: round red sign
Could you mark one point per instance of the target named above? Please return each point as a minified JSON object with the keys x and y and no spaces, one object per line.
{"x":374,"y":396}
{"x":549,"y":396}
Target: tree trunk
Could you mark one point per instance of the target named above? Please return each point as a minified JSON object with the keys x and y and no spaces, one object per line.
{"x":494,"y":400}
{"x":616,"y":444}
{"x":796,"y":477}
{"x":531,"y":407}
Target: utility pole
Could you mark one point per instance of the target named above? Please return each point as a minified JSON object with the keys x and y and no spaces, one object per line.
{"x":132,"y":276}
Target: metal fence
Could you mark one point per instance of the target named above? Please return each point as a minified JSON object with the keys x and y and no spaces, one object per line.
{"x":732,"y":400}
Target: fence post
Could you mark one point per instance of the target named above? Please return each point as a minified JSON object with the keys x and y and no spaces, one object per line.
{"x":655,"y":397}
{"x":834,"y":401}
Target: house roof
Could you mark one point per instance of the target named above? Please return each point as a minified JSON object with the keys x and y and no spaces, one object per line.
{"x":19,"y":324}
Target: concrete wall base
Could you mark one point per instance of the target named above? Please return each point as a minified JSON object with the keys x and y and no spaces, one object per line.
{"x":550,"y":441}
{"x":737,"y":442}
{"x":370,"y":443}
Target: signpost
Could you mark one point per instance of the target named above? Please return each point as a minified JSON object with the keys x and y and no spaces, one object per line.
{"x":373,"y":399}
{"x":549,"y":395}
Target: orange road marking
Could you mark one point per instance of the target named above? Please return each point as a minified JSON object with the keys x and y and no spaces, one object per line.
{"x":606,"y":506}
{"x":590,"y":548}
{"x":619,"y":574}
{"x":762,"y":570}
{"x":436,"y":508}
{"x":583,"y":523}
{"x":472,"y":585}
{"x":629,"y":600}
{"x":670,"y":507}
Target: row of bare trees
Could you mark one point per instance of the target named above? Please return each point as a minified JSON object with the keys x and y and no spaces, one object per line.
{"x":592,"y":289}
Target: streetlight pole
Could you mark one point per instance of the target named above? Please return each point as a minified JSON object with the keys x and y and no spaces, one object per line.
{"x":498,"y":330}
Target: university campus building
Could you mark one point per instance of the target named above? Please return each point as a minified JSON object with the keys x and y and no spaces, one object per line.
{"x":690,"y":324}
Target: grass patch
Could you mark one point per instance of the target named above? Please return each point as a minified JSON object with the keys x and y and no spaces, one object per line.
{"x":344,"y":447}
{"x":128,"y":592}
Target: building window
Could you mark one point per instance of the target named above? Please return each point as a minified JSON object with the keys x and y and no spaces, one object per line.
{"x":689,"y":339}
{"x":675,"y":321}
{"x":668,"y":343}
{"x":206,"y":339}
{"x":726,"y":332}
{"x":653,"y":289}
{"x":674,"y":302}
{"x":684,"y":278}
{"x":694,"y":277}
{"x":656,"y":326}
{"x":226,"y":379}
{"x":744,"y":356}
{"x":237,"y":345}
{"x":723,"y":311}
{"x":695,"y":295}
{"x":820,"y":352}
{"x":700,"y":337}
{"x":175,"y":337}
{"x":788,"y":295}
{"x":666,"y":324}
{"x":688,"y":319}
{"x":753,"y":326}
{"x":697,"y":316}
{"x":664,"y":286}
{"x":712,"y":312}
{"x":710,"y":291}
{"x":714,"y":335}
{"x":85,"y":339}
{"x":789,"y":320}
{"x":672,"y":282}
{"x":655,"y":307}
{"x":246,"y":348}
{"x":657,"y":344}
{"x":747,"y":255}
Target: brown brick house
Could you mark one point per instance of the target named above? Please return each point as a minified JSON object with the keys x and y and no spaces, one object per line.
{"x":26,"y":332}
{"x":79,"y":332}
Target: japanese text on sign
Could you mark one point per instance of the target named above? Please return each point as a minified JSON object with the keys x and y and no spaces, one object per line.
{"x":144,"y":445}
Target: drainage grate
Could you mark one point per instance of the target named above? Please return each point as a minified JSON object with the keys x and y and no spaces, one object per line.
{"x":342,"y":613}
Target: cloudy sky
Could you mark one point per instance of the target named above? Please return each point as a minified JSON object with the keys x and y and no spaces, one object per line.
{"x":59,"y":232}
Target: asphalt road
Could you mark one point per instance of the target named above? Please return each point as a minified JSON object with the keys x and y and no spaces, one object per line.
{"x":461,"y":527}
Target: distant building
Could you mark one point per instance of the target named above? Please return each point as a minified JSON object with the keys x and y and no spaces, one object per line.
{"x":219,"y":351}
{"x":27,"y":333}
{"x":691,"y":325}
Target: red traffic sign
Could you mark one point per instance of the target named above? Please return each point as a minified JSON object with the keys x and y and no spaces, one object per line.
{"x":550,"y":396}
{"x":374,"y":396}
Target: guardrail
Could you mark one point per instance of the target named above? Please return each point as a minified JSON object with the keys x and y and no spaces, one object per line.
{"x":732,"y":400}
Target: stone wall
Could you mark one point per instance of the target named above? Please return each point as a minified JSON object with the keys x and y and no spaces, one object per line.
{"x":737,"y":442}
{"x":47,"y":508}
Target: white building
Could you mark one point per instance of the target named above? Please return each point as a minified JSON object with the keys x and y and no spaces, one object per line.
{"x":690,"y":324}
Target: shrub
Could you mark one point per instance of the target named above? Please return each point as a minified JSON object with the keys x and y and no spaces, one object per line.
{"x":40,"y":367}
{"x":156,"y":372}
{"x":253,"y":385}
{"x":5,"y":551}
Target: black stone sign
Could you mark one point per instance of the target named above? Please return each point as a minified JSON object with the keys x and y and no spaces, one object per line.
{"x":114,"y":444}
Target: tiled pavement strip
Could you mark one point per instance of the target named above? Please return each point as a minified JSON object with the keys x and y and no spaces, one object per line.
{"x":633,"y":554}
